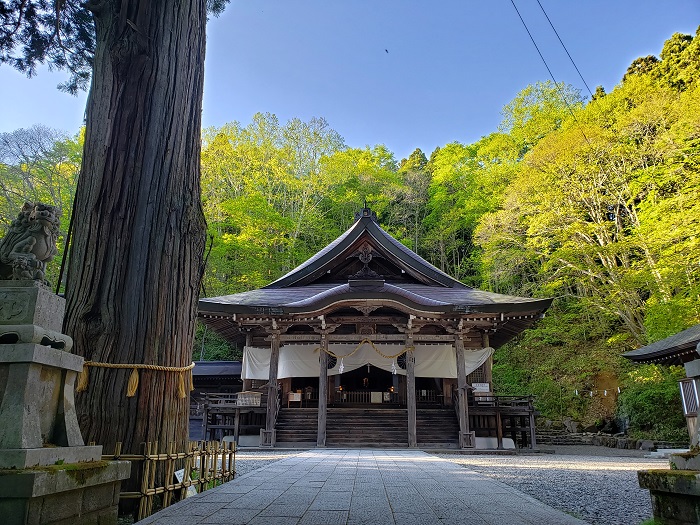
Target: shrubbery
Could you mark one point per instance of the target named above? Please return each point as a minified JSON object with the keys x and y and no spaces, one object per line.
{"x":651,"y":403}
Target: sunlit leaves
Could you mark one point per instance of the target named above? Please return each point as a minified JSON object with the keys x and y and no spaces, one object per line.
{"x":39,"y":164}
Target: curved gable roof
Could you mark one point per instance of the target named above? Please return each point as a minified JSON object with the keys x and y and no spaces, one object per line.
{"x":366,"y":228}
{"x":329,"y":278}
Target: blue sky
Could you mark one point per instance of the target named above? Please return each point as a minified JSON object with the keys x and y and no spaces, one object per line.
{"x":402,"y":73}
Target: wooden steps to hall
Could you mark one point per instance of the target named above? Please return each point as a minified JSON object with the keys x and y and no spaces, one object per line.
{"x":297,"y":426}
{"x":367,"y":427}
{"x":437,"y":428}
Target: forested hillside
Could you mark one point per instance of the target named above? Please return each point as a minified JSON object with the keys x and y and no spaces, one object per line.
{"x":593,"y":202}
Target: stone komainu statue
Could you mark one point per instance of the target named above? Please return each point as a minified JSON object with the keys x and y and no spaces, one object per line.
{"x":30,"y":243}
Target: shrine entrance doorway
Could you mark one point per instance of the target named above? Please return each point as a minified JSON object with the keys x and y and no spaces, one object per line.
{"x":369,"y":385}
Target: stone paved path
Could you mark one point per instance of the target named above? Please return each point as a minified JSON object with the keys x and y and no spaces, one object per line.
{"x":362,"y":487}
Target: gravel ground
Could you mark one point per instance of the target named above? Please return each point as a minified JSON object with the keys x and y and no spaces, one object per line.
{"x":596,"y":484}
{"x":250,"y":460}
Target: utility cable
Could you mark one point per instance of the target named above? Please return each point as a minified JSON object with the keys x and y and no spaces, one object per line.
{"x":565,"y":49}
{"x":556,"y":84}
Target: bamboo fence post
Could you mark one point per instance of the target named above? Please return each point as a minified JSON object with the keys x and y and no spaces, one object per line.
{"x":169,"y":474}
{"x":153,"y":461}
{"x":144,"y":482}
{"x":202,"y":465}
{"x":185,"y":472}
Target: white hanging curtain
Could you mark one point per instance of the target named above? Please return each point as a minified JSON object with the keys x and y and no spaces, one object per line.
{"x":303,"y":360}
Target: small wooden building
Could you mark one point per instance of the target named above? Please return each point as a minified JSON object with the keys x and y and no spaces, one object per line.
{"x":682,"y":349}
{"x":368,"y":335}
{"x":211,"y":377}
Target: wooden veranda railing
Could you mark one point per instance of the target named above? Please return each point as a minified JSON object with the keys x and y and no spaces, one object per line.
{"x":365,"y":397}
{"x":502,"y":416}
{"x":221,"y":412}
{"x":203,"y":466}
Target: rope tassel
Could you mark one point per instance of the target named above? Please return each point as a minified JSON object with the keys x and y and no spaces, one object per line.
{"x":181,"y":386}
{"x":83,"y":379}
{"x":133,"y":384}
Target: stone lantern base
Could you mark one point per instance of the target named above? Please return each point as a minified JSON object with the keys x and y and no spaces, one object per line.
{"x":47,"y":473}
{"x":77,"y":494}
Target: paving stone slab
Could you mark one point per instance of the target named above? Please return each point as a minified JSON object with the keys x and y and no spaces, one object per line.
{"x":273,"y":521}
{"x":367,"y":487}
{"x":324,"y":517}
{"x":230,"y":516}
{"x":288,"y":510}
{"x":403,"y":518}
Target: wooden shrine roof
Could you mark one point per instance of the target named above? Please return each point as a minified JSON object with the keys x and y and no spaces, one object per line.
{"x":366,"y":266}
{"x":307,"y":299}
{"x":677,"y":349}
{"x":216,"y":368}
{"x":366,"y":226}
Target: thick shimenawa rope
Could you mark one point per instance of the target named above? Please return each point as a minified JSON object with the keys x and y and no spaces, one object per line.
{"x":134,"y":377}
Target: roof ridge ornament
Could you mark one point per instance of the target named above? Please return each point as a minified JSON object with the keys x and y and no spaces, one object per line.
{"x":366,"y":212}
{"x":365,"y":256}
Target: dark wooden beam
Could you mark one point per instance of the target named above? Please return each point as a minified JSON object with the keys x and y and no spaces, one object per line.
{"x":411,"y":390}
{"x":272,"y":384}
{"x":322,"y":392}
{"x":462,"y":391}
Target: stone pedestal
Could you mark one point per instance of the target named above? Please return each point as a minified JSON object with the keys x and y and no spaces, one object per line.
{"x":47,"y":474}
{"x":81,"y":493}
{"x":675,"y":495}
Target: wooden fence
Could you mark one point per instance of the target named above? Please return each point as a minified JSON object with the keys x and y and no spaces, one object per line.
{"x":205,"y":465}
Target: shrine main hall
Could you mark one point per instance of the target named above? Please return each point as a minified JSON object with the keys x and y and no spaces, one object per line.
{"x":366,"y":343}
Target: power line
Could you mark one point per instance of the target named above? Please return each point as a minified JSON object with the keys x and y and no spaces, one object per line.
{"x":556,"y":84}
{"x":562,"y":45}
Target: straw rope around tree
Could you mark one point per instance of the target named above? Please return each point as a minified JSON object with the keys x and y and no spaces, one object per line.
{"x":184,"y":371}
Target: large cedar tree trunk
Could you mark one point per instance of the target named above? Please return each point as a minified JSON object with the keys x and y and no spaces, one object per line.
{"x":139,"y":233}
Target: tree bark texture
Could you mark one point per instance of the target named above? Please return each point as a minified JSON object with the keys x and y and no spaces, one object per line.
{"x":136,"y":258}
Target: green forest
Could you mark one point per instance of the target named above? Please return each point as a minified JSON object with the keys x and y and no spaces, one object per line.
{"x":594,"y":202}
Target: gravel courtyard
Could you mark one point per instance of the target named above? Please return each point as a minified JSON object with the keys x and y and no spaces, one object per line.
{"x":596,"y":484}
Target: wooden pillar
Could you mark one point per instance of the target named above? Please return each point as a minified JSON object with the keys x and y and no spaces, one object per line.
{"x":464,"y":442}
{"x":411,"y":390}
{"x":272,"y":382}
{"x":531,"y":408}
{"x":237,"y":425}
{"x":488,"y":365}
{"x":248,"y":383}
{"x":322,"y":391}
{"x":499,"y":427}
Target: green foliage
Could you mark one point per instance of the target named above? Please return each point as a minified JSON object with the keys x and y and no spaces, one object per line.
{"x":38,"y":31}
{"x":210,"y":346}
{"x":679,"y":66}
{"x":62,"y":34}
{"x":265,"y":193}
{"x":651,"y":402}
{"x":536,"y":111}
{"x":565,"y":353}
{"x":39,"y":164}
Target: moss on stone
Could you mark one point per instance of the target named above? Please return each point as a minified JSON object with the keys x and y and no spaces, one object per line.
{"x":80,"y":472}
